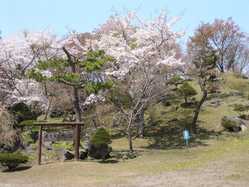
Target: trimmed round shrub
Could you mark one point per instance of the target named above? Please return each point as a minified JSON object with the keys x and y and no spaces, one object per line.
{"x":98,"y":147}
{"x":13,"y":160}
{"x":101,"y":136}
{"x":23,"y":112}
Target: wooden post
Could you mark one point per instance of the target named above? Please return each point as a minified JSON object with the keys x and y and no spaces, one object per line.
{"x":40,"y":146}
{"x":77,"y":141}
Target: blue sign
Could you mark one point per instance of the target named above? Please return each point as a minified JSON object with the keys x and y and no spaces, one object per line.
{"x":186,"y":136}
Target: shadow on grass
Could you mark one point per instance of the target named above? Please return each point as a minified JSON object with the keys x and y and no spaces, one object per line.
{"x":22,"y":168}
{"x":109,"y":161}
{"x":170,"y":136}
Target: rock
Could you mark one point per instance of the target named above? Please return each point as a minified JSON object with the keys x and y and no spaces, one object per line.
{"x":244,"y":116}
{"x":243,"y":128}
{"x":236,"y":93}
{"x":56,"y":113}
{"x":125,"y":157}
{"x":215,"y":103}
{"x":48,"y":145}
{"x":57,"y":136}
{"x":232,"y":123}
{"x":68,"y":155}
{"x":99,"y":151}
{"x":83,"y":154}
{"x":34,"y":135}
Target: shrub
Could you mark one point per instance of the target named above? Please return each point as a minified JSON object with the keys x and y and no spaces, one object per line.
{"x":63,"y":145}
{"x":241,"y":108}
{"x":98,"y":147}
{"x":27,"y":123}
{"x":101,"y":136}
{"x":186,"y":90}
{"x":12,"y":160}
{"x":22,"y":112}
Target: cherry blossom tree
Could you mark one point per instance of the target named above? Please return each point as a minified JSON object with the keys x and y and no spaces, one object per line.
{"x":19,"y":53}
{"x":145,"y":53}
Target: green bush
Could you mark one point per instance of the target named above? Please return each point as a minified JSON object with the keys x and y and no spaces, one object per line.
{"x":100,"y":137}
{"x":27,"y":123}
{"x":120,"y":97}
{"x":241,"y":108}
{"x":22,"y":112}
{"x":12,"y":160}
{"x":63,"y":145}
{"x":186,"y":90}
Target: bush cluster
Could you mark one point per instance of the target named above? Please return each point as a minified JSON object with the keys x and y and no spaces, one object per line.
{"x":12,"y":160}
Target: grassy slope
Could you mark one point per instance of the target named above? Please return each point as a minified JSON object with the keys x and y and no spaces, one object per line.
{"x":223,"y":150}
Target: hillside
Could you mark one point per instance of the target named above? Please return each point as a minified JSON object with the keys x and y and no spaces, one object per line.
{"x":214,"y":157}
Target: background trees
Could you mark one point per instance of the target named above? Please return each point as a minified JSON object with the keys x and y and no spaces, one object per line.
{"x":224,"y":36}
{"x":139,"y":59}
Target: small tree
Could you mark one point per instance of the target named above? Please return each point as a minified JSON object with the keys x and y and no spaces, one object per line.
{"x":176,"y":80}
{"x":98,"y":147}
{"x":186,"y":90}
{"x":204,"y":61}
{"x":80,"y":72}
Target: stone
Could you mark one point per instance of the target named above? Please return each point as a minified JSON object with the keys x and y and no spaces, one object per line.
{"x":48,"y":145}
{"x":215,"y":103}
{"x":243,"y":128}
{"x":232,"y":123}
{"x":83,"y":154}
{"x":244,"y":117}
{"x":68,"y":155}
{"x":99,"y":151}
{"x":125,"y":157}
{"x":58,"y":136}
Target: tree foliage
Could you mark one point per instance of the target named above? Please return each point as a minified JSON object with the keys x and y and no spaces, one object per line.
{"x":186,"y":90}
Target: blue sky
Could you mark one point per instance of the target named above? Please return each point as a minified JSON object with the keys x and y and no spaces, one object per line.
{"x":85,"y":15}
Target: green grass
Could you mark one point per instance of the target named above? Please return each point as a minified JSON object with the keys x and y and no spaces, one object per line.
{"x":150,"y":162}
{"x":163,"y":149}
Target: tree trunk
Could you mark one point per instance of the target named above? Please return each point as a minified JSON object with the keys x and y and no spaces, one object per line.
{"x":130,"y":140}
{"x":129,"y":133}
{"x":94,"y":120}
{"x":186,"y":100}
{"x":197,"y":111}
{"x":222,"y":69}
{"x":76,"y":103}
{"x":78,"y":119}
{"x":140,"y":123}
